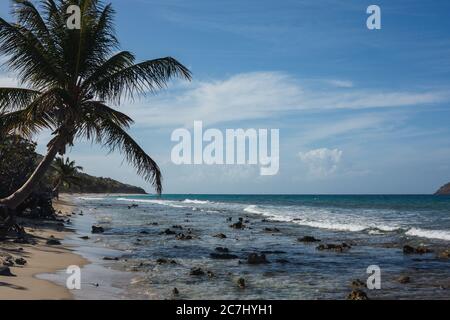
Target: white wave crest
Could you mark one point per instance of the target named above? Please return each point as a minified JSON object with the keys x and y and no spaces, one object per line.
{"x":154,"y":201}
{"x":196,"y":201}
{"x":430,"y":234}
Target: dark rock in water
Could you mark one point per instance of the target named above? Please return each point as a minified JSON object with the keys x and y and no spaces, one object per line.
{"x":133,"y":206}
{"x":229,"y":219}
{"x":168,"y":232}
{"x":272,"y":230}
{"x":6,"y":272}
{"x":357,"y":295}
{"x":222,"y":249}
{"x":241,"y":283}
{"x":404,"y":279}
{"x":175,"y":292}
{"x":182,"y":236}
{"x":254,"y":258}
{"x":84,"y":238}
{"x":143,"y":232}
{"x":177,"y":227}
{"x":223,"y":256}
{"x":53,"y":242}
{"x":408,"y":249}
{"x":97,"y":229}
{"x":197,"y":272}
{"x":165,"y":261}
{"x":335,"y":247}
{"x":210,"y":274}
{"x":110,"y":258}
{"x":237,"y":225}
{"x":419,"y":250}
{"x":162,"y":261}
{"x":220,"y":236}
{"x":20,"y":261}
{"x":423,"y":250}
{"x":358,"y":284}
{"x":308,"y":239}
{"x":444,"y":254}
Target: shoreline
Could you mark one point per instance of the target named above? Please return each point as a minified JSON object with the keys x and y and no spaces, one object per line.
{"x":41,"y":258}
{"x":130,"y":260}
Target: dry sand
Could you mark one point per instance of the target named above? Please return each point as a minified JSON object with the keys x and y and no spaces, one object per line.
{"x":41,"y":258}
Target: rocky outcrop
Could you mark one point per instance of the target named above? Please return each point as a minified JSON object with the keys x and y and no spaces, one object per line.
{"x":444,"y":190}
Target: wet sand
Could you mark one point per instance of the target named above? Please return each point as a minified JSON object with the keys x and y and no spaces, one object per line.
{"x":41,"y":258}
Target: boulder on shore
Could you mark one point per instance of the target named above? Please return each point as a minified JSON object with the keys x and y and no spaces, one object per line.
{"x":6,"y":272}
{"x":53,"y":242}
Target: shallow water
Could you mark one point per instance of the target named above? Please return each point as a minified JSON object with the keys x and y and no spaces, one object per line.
{"x":377,"y":227}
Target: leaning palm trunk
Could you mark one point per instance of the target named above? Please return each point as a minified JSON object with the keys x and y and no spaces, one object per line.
{"x":56,"y":188}
{"x":15,"y":199}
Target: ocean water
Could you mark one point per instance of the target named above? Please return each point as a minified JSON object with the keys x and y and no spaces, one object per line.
{"x":376,"y":227}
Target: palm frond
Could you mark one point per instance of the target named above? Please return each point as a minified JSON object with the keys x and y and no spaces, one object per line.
{"x":148,"y":76}
{"x":116,"y":138}
{"x":12,"y":99}
{"x":27,"y":56}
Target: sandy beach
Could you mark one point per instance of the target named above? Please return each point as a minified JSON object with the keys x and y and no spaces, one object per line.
{"x":40,"y":258}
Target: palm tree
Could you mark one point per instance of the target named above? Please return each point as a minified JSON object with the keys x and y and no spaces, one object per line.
{"x":66,"y":173}
{"x":69,"y":81}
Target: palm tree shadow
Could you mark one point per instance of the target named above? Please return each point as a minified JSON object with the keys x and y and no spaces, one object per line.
{"x":12,"y":286}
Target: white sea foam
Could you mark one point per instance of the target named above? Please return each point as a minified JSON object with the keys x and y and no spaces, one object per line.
{"x":90,"y":198}
{"x":320,"y":218}
{"x":254,"y":209}
{"x":430,"y":234}
{"x":196,"y":201}
{"x":154,"y":201}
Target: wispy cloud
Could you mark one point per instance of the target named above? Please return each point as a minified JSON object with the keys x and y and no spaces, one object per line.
{"x":261,"y":95}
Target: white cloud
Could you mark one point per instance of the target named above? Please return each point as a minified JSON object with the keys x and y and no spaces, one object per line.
{"x":321,"y":162}
{"x":262,"y":95}
{"x":341,"y":83}
{"x":7,"y":81}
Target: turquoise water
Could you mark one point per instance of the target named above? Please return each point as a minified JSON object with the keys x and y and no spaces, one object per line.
{"x":376,"y":227}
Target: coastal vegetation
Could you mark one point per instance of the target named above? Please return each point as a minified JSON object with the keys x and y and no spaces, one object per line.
{"x":65,"y":174}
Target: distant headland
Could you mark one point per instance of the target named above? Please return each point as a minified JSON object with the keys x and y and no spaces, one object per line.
{"x":444,"y":190}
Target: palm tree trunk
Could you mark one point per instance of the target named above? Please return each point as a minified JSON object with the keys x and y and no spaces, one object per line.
{"x":55,"y":190}
{"x":14,"y":200}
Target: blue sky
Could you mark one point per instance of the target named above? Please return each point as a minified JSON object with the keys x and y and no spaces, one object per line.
{"x":359,"y":111}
